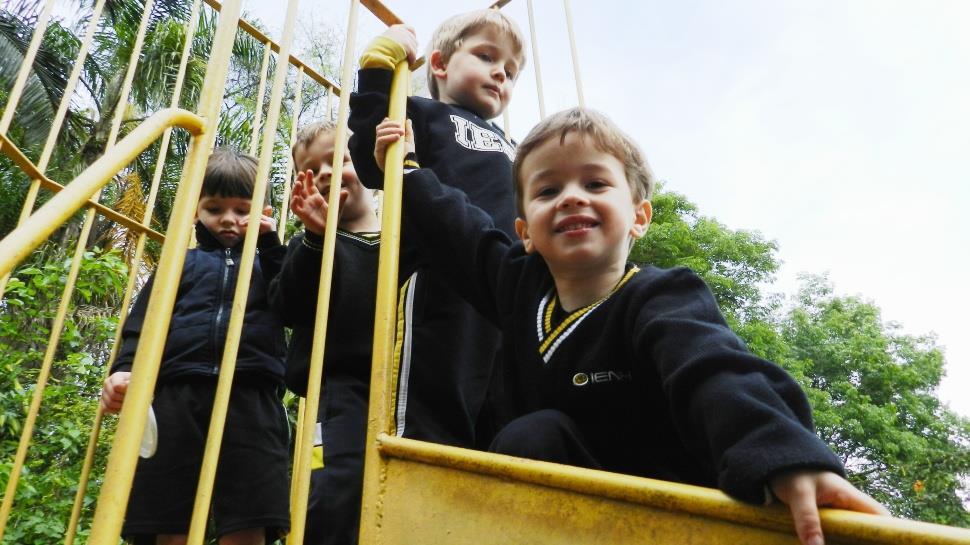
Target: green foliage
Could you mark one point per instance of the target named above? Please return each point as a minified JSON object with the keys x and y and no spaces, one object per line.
{"x":48,"y":482}
{"x":873,"y":390}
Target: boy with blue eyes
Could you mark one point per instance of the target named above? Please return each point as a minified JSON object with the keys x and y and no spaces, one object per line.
{"x":447,"y":349}
{"x":612,"y":366}
{"x":254,"y":458}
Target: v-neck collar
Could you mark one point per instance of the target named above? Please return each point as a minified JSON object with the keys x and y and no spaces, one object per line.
{"x":551,"y":334}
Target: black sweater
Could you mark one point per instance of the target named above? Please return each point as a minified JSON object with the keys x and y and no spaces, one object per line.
{"x":445,"y":365}
{"x":350,"y":327}
{"x":200,"y":316}
{"x":654,"y":378}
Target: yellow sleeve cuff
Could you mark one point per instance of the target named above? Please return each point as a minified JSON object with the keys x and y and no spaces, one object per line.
{"x":382,"y":52}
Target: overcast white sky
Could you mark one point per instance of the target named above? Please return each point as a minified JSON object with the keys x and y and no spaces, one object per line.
{"x":840,"y":129}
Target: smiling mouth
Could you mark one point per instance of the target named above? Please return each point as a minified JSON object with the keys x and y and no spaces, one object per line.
{"x":576,"y":226}
{"x":493,"y":90}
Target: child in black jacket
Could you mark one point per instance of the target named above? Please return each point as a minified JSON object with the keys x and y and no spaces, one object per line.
{"x":612,"y":366}
{"x":253,"y":460}
{"x":337,"y":467}
{"x":448,"y":351}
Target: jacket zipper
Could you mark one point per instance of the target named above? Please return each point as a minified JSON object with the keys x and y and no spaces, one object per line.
{"x":219,"y":313}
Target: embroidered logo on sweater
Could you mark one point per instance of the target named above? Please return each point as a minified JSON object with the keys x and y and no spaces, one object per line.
{"x":471,"y":136}
{"x":550,"y":338}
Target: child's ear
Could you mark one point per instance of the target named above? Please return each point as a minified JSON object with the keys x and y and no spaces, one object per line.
{"x":643,"y":212}
{"x":437,"y":64}
{"x":522,"y":229}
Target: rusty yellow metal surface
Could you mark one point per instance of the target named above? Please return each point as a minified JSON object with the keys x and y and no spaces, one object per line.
{"x":443,"y":494}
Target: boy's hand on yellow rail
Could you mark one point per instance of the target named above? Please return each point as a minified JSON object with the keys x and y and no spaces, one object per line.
{"x":804,"y":491}
{"x":388,"y":132}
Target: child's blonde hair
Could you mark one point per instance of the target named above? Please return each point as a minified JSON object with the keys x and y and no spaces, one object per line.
{"x":308,"y":133}
{"x":603,"y":133}
{"x":448,"y":36}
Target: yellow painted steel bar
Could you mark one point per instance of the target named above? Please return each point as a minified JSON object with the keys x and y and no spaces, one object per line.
{"x":382,"y":12}
{"x":535,"y":61}
{"x":300,"y":488}
{"x":210,"y":459}
{"x":298,"y":440}
{"x":10,"y":150}
{"x":385,"y":321}
{"x":288,"y":171}
{"x":575,"y":55}
{"x":67,"y":293}
{"x":133,"y":268}
{"x":59,"y":116}
{"x":13,"y":98}
{"x":48,"y":218}
{"x":330,"y":92}
{"x":113,"y":498}
{"x":262,"y":38}
{"x":260,"y":94}
{"x":841,"y":526}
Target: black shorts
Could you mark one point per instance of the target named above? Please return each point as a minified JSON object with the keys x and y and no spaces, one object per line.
{"x":252,"y":482}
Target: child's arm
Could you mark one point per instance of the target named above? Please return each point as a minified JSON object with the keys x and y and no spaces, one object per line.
{"x":456,"y":237}
{"x":804,"y":491}
{"x":271,"y":250}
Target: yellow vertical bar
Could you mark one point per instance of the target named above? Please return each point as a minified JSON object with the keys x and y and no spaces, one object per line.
{"x":301,"y":474}
{"x":133,"y":267}
{"x":210,"y":458}
{"x":297,"y":105}
{"x":113,"y":499}
{"x":258,"y":115}
{"x":330,"y":99}
{"x":28,"y":428}
{"x":575,"y":55}
{"x":48,"y":149}
{"x":535,"y":59}
{"x":385,"y":320}
{"x":18,"y":85}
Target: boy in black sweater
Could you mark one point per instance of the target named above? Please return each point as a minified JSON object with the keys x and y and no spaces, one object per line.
{"x":254,"y":458}
{"x":448,"y":349}
{"x":333,"y":510}
{"x":612,"y":366}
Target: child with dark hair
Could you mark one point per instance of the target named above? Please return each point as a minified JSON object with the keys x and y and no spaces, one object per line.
{"x":253,"y":461}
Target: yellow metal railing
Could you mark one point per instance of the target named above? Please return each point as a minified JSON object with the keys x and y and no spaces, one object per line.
{"x":414,"y":492}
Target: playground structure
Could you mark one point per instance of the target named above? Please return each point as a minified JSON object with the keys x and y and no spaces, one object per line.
{"x":413,"y":491}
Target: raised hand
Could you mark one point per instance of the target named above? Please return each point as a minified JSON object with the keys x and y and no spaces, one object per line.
{"x":309,"y":204}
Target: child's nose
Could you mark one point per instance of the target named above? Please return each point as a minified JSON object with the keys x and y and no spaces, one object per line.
{"x":572,"y":196}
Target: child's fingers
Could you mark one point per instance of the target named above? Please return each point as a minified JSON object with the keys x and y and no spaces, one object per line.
{"x":834,"y":491}
{"x":804,"y":514}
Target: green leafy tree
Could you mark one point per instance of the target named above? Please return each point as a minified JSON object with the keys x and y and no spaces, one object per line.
{"x":874,"y":392}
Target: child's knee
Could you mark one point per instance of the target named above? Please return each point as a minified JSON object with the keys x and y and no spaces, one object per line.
{"x":548,"y":435}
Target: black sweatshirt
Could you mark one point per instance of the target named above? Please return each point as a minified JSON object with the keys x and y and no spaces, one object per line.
{"x":200,"y":316}
{"x":350,"y":327}
{"x":448,"y":350}
{"x":652,"y":375}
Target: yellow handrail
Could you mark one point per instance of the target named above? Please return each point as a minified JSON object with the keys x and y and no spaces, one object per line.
{"x":35,"y":230}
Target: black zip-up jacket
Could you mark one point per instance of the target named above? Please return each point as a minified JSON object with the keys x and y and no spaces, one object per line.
{"x":200,"y":317}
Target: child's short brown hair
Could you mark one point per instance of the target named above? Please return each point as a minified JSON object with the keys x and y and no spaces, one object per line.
{"x":229,"y":173}
{"x":308,"y":133}
{"x":448,"y":36}
{"x":605,"y":135}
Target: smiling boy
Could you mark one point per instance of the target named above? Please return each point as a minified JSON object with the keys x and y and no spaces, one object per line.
{"x":446,"y":360}
{"x":612,"y":366}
